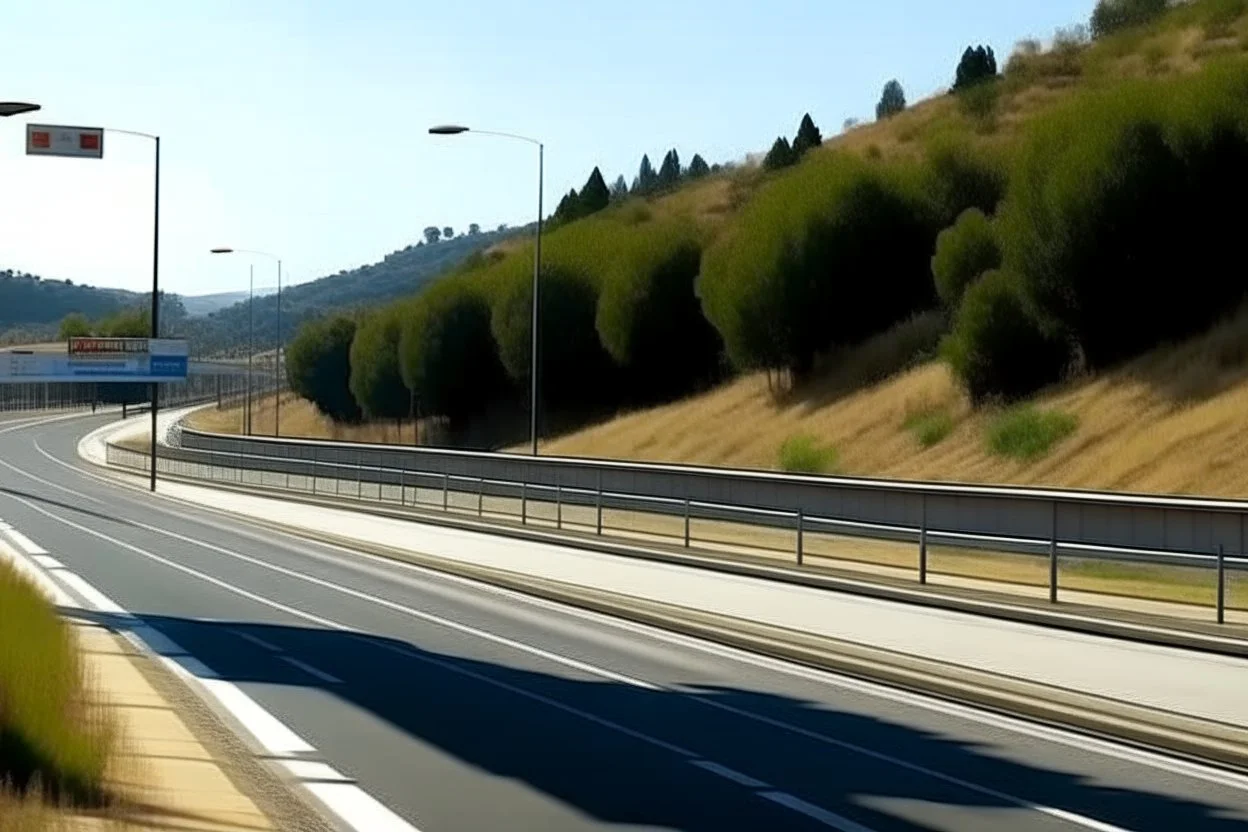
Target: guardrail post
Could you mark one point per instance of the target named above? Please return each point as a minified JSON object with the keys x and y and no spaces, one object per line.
{"x":403,"y":483}
{"x":359,"y":476}
{"x":1053,"y":558}
{"x":923,"y":543}
{"x":480,"y":496}
{"x":801,"y":537}
{"x":524,"y":503}
{"x":558,"y":506}
{"x":686,"y":522}
{"x":1221,"y":585}
{"x":598,"y":503}
{"x":314,"y":469}
{"x":446,"y":492}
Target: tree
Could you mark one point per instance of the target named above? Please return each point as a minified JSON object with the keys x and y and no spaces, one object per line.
{"x":1110,"y":16}
{"x":669,"y":171}
{"x":780,"y":155}
{"x":807,"y":138}
{"x":569,"y":207}
{"x":74,"y":325}
{"x":474,"y":229}
{"x":594,"y":196}
{"x":977,"y":65}
{"x":502,"y":228}
{"x":698,"y":167}
{"x":964,"y":252}
{"x":376,"y":382}
{"x":647,"y":179}
{"x":619,"y":189}
{"x":318,"y":366}
{"x":892,"y":101}
{"x":432,"y":234}
{"x":448,"y":233}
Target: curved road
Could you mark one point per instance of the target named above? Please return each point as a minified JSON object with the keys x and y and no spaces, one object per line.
{"x":462,"y":707}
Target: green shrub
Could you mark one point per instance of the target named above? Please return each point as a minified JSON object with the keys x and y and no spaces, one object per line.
{"x":1111,"y":16}
{"x":826,"y":254}
{"x":802,"y":454}
{"x":1027,"y":434}
{"x":964,"y":251}
{"x":648,"y":316}
{"x":979,"y":102}
{"x":376,"y":379}
{"x":318,"y":366}
{"x":447,"y":353}
{"x":1116,"y":220}
{"x":930,"y":426}
{"x":998,"y":347}
{"x":960,"y":175}
{"x":50,"y":735}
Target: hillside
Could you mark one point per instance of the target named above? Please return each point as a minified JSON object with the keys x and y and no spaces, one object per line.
{"x":30,"y":301}
{"x":399,"y":274}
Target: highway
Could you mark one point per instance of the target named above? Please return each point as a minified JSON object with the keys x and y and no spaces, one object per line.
{"x":462,"y":707}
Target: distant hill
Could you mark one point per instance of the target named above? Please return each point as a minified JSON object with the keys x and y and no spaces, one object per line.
{"x":199,"y":305}
{"x":27,"y":300}
{"x":399,"y":274}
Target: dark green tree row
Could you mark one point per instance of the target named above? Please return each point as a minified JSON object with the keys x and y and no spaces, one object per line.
{"x":784,"y":154}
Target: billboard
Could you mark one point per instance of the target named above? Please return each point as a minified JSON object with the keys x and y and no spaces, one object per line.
{"x":58,"y":140}
{"x":100,"y":360}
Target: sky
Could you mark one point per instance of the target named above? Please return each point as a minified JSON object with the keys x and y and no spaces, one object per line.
{"x":299,"y":127}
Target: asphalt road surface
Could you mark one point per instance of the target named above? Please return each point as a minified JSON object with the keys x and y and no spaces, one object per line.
{"x":461,"y":707}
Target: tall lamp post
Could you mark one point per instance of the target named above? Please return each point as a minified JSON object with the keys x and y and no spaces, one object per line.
{"x":277,"y":399}
{"x":455,"y":130}
{"x":17,"y":108}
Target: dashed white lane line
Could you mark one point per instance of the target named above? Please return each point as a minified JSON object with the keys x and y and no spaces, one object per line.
{"x":841,"y":824}
{"x":327,"y":678}
{"x":256,"y":640}
{"x":730,"y":774}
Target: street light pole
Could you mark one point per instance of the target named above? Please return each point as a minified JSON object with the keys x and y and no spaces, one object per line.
{"x":155,"y":302}
{"x":277,"y":406}
{"x":534,"y":362}
{"x":251,"y":341}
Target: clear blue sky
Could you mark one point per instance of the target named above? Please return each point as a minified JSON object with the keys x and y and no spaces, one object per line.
{"x":299,"y":126}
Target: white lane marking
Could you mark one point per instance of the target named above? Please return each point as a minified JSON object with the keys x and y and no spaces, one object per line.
{"x":88,"y":593}
{"x":1068,"y":816}
{"x":49,"y":483}
{"x":1071,"y":817}
{"x":268,"y":730}
{"x":256,"y":640}
{"x":312,"y":770}
{"x":1059,"y":736}
{"x":366,"y":813}
{"x":157,"y":641}
{"x":48,"y":562}
{"x":24,"y":543}
{"x":327,"y":678}
{"x":730,"y":774}
{"x":810,"y":810}
{"x":49,"y":588}
{"x":364,"y":596}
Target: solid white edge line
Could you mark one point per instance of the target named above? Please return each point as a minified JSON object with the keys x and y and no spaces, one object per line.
{"x":269,"y":731}
{"x":96,"y":599}
{"x":44,"y":584}
{"x":48,"y":562}
{"x":23,"y":542}
{"x":314,"y":770}
{"x":365,"y":812}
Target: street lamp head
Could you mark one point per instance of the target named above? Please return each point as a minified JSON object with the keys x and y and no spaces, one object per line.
{"x":221,"y":251}
{"x":17,"y":108}
{"x":448,"y":130}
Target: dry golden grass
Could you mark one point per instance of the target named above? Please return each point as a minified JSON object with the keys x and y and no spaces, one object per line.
{"x":299,"y":419}
{"x":1172,"y":422}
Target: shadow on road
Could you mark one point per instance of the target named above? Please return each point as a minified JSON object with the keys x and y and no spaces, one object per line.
{"x":622,"y":754}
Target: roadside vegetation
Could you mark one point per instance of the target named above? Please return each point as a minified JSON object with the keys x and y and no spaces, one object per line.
{"x":1057,"y":214}
{"x":55,"y":741}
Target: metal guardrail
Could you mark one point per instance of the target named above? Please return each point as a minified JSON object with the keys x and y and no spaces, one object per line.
{"x":1054,"y":525}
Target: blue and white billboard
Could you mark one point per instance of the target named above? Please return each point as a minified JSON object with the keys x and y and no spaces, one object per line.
{"x":100,"y":360}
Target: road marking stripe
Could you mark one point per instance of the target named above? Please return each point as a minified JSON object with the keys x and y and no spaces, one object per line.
{"x":1071,"y":817}
{"x":268,"y":730}
{"x":365,"y":811}
{"x":327,"y":678}
{"x":48,"y":562}
{"x":313,"y":770}
{"x":825,"y":817}
{"x":256,"y":640}
{"x":49,"y":588}
{"x":23,"y":542}
{"x":157,"y":641}
{"x":88,"y":593}
{"x":735,"y":776}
